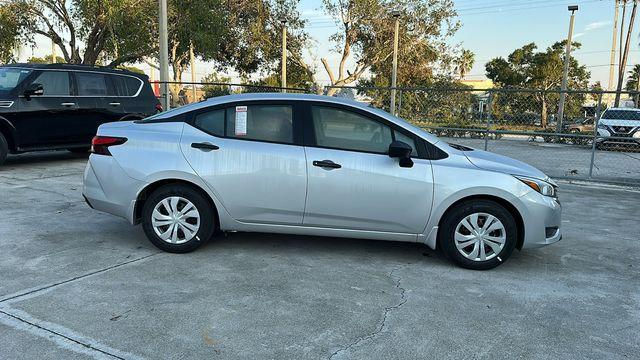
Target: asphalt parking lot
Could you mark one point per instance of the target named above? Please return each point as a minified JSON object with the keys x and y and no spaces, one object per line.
{"x":76,"y":283}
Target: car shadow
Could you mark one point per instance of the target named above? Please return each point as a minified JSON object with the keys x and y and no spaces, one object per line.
{"x":42,"y":157}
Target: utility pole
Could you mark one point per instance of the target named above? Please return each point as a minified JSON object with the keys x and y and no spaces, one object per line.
{"x":394,"y":70}
{"x":283,"y":81}
{"x":164,"y":56}
{"x":623,"y":3}
{"x":565,"y":73}
{"x":625,"y":56}
{"x":192,"y":65}
{"x":612,"y":60}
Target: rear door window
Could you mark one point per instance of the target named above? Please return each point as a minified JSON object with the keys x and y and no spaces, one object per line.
{"x":92,"y":84}
{"x":54,"y":83}
{"x":272,"y":123}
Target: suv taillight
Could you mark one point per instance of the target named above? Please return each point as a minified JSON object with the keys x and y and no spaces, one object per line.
{"x":159,"y":107}
{"x":100,"y":144}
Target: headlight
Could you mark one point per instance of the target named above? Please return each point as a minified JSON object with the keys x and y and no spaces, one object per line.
{"x":636,"y":135}
{"x":543,"y":187}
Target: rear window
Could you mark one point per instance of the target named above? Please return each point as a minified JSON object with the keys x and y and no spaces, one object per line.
{"x":126,"y":85}
{"x":621,"y":115}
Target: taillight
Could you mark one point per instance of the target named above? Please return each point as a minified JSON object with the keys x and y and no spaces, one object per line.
{"x":100,"y":144}
{"x":159,"y":107}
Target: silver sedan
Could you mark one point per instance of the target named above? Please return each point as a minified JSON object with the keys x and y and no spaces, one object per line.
{"x":315,"y":165}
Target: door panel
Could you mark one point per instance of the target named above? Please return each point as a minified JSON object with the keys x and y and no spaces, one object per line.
{"x":367,"y":192}
{"x":256,"y":181}
{"x":48,"y":119}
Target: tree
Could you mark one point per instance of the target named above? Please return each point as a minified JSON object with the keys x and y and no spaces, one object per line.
{"x":9,"y":31}
{"x":632,"y":82}
{"x":525,"y":68}
{"x":366,"y":31}
{"x":216,"y":86}
{"x":107,"y":29}
{"x":45,"y":60}
{"x":464,"y":62}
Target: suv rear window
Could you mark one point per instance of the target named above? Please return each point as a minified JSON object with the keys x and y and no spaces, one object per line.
{"x":125,"y":85}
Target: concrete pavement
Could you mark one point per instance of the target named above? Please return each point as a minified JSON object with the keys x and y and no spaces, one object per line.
{"x":76,"y":284}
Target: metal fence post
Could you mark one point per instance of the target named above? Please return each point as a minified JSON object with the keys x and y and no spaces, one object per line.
{"x":488,"y":124}
{"x":399,"y":103}
{"x":595,"y":134}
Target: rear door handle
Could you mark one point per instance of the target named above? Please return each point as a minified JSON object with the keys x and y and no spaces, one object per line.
{"x":114,"y":104}
{"x":327,"y":164}
{"x":204,"y":146}
{"x":68,"y":104}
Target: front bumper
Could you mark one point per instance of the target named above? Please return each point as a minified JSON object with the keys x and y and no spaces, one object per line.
{"x":542,"y":220}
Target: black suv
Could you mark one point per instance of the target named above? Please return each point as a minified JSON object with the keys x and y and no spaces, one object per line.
{"x":59,"y":106}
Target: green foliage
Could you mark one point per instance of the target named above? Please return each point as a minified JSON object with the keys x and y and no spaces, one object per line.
{"x":366,"y":32}
{"x":218,"y":88}
{"x":526,"y":68}
{"x":11,"y":30}
{"x":45,"y":60}
{"x":131,"y":68}
{"x":464,"y":62}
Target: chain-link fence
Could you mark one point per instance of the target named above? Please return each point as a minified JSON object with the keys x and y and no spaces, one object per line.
{"x":593,"y":140}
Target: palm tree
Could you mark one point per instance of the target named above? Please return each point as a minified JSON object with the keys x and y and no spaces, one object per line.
{"x":464,"y":63}
{"x":632,"y":82}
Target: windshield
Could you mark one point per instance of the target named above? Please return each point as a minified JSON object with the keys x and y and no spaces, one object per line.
{"x":11,"y":77}
{"x":621,"y":115}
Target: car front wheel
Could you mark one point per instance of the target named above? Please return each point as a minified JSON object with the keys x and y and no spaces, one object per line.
{"x":478,"y":234}
{"x":177,"y":218}
{"x":4,"y":149}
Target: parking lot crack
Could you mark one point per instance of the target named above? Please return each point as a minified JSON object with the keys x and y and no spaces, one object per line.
{"x":382,"y":324}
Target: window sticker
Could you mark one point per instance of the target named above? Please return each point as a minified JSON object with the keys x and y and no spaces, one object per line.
{"x":241,"y":120}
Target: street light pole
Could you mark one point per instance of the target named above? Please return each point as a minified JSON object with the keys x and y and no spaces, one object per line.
{"x":565,"y":74}
{"x":192,"y":65}
{"x":394,"y":70}
{"x":283,"y":81}
{"x":164,"y":55}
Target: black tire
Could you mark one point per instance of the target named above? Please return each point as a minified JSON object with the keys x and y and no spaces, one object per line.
{"x":454,"y":216}
{"x":4,"y":149}
{"x":207,"y":223}
{"x":79,"y":150}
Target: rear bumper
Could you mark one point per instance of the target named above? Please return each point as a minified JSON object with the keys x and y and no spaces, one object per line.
{"x":106,"y":187}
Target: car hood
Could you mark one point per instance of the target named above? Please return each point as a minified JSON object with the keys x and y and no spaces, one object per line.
{"x":494,"y":162}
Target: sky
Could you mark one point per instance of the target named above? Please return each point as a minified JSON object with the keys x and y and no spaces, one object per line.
{"x":489,"y":28}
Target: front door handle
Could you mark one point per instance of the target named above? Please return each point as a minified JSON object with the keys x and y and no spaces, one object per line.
{"x":68,"y":104}
{"x":327,"y":164}
{"x":204,"y":146}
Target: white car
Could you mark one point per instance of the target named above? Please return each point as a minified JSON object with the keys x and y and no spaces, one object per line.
{"x":315,"y":165}
{"x":619,"y":126}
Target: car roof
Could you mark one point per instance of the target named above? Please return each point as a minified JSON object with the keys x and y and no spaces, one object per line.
{"x":74,"y":67}
{"x":219,"y":100}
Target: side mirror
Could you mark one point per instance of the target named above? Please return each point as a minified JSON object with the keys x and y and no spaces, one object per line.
{"x":402,"y":151}
{"x":34,"y":89}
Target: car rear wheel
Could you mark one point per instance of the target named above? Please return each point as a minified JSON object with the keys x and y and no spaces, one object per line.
{"x":4,"y":149}
{"x":177,"y":218}
{"x":478,"y":234}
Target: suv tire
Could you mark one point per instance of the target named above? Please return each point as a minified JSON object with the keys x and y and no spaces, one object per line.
{"x":4,"y":149}
{"x":478,"y":229}
{"x":177,"y":218}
